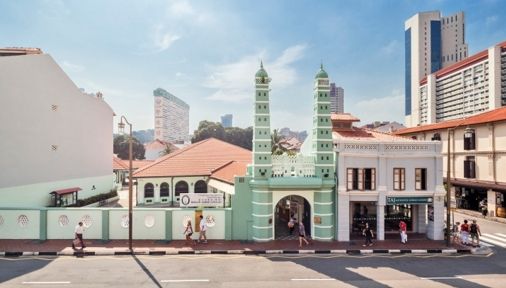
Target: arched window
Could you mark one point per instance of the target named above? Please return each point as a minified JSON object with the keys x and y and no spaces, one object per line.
{"x":181,"y":187}
{"x":201,"y":187}
{"x":164,"y":190}
{"x":149,"y":190}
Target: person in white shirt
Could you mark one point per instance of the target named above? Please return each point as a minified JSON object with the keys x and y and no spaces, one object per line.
{"x":78,"y":232}
{"x":203,"y":229}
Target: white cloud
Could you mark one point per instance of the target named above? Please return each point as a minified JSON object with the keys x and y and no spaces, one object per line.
{"x":388,"y":108}
{"x":163,"y":39}
{"x":70,"y":67}
{"x":391,"y":47}
{"x":180,"y":8}
{"x":491,"y":20}
{"x":234,"y":81}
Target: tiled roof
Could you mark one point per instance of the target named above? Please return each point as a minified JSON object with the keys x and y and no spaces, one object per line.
{"x":495,"y":115}
{"x":200,"y":158}
{"x":120,"y":164}
{"x":464,"y":63}
{"x":117,"y":164}
{"x":367,"y":135}
{"x":159,"y":144}
{"x":343,"y":117}
{"x":227,"y":172}
{"x":136,"y":164}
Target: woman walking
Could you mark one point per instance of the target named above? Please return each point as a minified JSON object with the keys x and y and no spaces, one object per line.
{"x":188,"y":232}
{"x":302,"y":234}
{"x":368,"y":235}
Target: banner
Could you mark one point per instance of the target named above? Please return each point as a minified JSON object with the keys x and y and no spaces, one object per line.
{"x":201,"y":200}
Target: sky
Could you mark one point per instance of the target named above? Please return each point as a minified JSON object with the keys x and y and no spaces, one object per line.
{"x":207,"y":52}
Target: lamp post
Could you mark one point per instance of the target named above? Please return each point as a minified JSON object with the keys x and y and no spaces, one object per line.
{"x":121,"y":127}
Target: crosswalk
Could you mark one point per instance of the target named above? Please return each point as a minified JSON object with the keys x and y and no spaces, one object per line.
{"x":493,"y":239}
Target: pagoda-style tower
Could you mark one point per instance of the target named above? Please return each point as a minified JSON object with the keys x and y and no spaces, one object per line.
{"x":262,"y":161}
{"x":323,"y":158}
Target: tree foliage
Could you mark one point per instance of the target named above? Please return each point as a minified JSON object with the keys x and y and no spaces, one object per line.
{"x":233,"y":135}
{"x":120,"y":147}
{"x":277,"y":148}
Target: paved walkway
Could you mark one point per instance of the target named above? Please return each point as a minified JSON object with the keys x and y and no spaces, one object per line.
{"x":478,"y":215}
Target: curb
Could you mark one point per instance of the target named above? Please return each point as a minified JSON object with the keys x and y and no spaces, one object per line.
{"x":123,"y":252}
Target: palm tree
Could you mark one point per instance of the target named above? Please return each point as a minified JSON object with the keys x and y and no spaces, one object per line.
{"x":276,"y":139}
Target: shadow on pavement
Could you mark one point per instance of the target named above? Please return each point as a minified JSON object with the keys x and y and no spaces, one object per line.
{"x":12,"y":267}
{"x":146,"y":270}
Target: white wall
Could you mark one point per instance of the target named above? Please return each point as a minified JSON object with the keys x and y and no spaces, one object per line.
{"x":80,"y":127}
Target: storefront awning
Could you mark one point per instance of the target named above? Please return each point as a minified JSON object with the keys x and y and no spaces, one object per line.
{"x":478,"y":184}
{"x":66,"y":191}
{"x":222,"y":186}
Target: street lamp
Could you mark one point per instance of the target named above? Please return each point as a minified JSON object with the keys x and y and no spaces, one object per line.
{"x":121,"y":128}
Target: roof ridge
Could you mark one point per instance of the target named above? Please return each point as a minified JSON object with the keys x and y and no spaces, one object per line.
{"x":222,"y":166}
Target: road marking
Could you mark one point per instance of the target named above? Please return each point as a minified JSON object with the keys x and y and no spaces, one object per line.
{"x":45,"y":282}
{"x":441,"y":278}
{"x":494,"y":237}
{"x":492,"y":241}
{"x":184,"y":280}
{"x":500,"y":234}
{"x":313,"y":279}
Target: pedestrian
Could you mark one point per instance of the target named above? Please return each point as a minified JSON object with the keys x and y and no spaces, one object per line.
{"x":188,"y":232}
{"x":203,"y":229}
{"x":456,"y":233}
{"x":464,"y":233}
{"x":78,"y":235}
{"x":402,"y":230}
{"x":368,"y":235}
{"x":475,"y":232}
{"x":291,"y":224}
{"x":302,"y":234}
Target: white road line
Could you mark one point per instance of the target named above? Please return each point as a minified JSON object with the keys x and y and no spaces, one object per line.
{"x":441,"y":278}
{"x":492,"y":241}
{"x":495,"y":237}
{"x":184,"y":280}
{"x":313,"y":279}
{"x":45,"y":282}
{"x":500,"y":234}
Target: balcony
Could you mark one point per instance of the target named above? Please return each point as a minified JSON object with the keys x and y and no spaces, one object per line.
{"x":292,"y":166}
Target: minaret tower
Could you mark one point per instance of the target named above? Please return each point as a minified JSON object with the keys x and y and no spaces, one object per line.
{"x":322,"y":127}
{"x":262,"y":211}
{"x":262,"y":149}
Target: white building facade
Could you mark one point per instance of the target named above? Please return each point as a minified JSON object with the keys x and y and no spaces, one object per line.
{"x":172,"y":117}
{"x":54,"y":136}
{"x":383,"y":179}
{"x":336,"y":98}
{"x":432,"y":42}
{"x":469,"y":87}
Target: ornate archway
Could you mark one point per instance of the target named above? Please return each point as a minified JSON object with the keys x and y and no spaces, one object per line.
{"x":297,"y":207}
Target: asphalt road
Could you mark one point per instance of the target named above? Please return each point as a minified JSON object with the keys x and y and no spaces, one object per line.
{"x":256,"y":271}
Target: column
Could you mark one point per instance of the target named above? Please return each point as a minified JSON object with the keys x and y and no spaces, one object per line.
{"x":380,"y":221}
{"x":491,"y":202}
{"x":323,"y":208}
{"x":343,"y":225}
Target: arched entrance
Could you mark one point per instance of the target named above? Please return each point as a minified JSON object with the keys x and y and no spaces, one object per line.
{"x":291,"y":206}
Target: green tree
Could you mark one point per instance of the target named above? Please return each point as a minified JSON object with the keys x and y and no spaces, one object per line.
{"x":120,"y":147}
{"x":276,"y":139}
{"x":233,"y":135}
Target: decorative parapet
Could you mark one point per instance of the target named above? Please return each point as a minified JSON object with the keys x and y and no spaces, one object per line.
{"x":388,"y":148}
{"x":293,"y":166}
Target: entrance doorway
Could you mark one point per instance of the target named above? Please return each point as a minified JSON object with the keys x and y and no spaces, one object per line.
{"x":291,"y":206}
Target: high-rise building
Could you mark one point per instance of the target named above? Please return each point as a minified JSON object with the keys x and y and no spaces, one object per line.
{"x":432,"y":42}
{"x":172,"y":117}
{"x":336,"y":99}
{"x":226,"y":120}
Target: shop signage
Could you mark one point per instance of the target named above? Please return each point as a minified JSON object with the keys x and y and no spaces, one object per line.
{"x":409,"y":200}
{"x":201,"y":200}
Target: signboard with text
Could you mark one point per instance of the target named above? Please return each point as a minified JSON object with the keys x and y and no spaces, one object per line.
{"x":200,"y":200}
{"x":409,"y":200}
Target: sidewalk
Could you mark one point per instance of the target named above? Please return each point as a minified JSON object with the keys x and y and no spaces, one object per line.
{"x":145,"y":247}
{"x":478,"y":215}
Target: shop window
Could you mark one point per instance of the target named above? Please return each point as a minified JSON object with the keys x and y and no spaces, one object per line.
{"x":164,"y":190}
{"x":181,"y":187}
{"x":201,"y":187}
{"x":421,"y":178}
{"x":361,"y":179}
{"x":469,"y":139}
{"x":149,"y":190}
{"x":369,"y":179}
{"x":469,"y":167}
{"x":399,"y":179}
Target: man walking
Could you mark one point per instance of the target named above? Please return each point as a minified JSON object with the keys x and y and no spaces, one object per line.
{"x":78,"y":235}
{"x":475,"y":232}
{"x":203,"y":229}
{"x":402,"y":229}
{"x":368,"y":235}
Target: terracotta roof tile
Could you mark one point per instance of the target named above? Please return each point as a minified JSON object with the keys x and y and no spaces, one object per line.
{"x":200,"y":158}
{"x":228,"y":171}
{"x":117,"y":164}
{"x":343,"y":117}
{"x":495,"y":115}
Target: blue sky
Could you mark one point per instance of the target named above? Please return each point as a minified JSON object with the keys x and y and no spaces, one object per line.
{"x":207,"y":52}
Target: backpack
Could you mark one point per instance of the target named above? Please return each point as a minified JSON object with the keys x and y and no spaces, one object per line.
{"x":474,"y":229}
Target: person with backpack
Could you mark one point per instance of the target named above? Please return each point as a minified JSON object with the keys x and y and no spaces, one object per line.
{"x":475,"y":232}
{"x":464,"y":233}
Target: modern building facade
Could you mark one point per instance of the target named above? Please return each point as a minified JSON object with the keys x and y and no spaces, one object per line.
{"x":383,"y":179}
{"x":477,"y":157}
{"x":466,"y":88}
{"x":172,"y":117}
{"x":226,"y":120}
{"x":336,"y":99}
{"x":54,"y":136}
{"x":432,"y":42}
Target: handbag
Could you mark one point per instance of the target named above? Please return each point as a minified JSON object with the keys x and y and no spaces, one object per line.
{"x":76,"y":241}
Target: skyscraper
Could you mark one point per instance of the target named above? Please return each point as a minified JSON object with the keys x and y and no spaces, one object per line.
{"x":171,"y":117}
{"x":432,"y":42}
{"x":226,"y":120}
{"x":336,"y":99}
